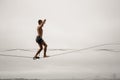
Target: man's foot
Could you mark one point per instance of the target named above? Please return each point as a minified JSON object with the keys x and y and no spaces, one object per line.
{"x":34,"y":58}
{"x":45,"y":56}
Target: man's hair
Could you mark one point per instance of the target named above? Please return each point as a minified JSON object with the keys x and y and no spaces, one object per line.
{"x":39,"y":21}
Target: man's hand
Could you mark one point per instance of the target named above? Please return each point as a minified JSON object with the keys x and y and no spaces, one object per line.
{"x":44,"y":21}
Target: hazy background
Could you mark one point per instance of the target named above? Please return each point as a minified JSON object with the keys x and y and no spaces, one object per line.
{"x":70,"y":23}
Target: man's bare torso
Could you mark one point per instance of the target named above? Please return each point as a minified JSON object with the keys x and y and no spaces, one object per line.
{"x":40,"y":31}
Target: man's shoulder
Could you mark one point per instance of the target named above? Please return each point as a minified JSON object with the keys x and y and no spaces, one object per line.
{"x":39,"y":27}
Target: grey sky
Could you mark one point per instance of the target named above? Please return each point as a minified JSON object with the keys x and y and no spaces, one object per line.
{"x":70,"y":23}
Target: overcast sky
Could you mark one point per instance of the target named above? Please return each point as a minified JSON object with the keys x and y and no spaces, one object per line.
{"x":70,"y":23}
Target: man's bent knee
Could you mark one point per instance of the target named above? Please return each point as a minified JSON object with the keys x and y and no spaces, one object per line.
{"x":41,"y":48}
{"x":45,"y":46}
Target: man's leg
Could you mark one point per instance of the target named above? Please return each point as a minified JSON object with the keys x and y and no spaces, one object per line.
{"x":45,"y":49}
{"x":40,"y":45}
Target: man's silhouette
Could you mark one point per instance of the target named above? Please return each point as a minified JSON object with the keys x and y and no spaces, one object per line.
{"x":39,"y":39}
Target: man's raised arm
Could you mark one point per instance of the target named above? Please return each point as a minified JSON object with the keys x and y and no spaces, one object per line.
{"x":43,"y":22}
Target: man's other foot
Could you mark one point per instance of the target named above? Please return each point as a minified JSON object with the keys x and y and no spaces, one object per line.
{"x":45,"y":56}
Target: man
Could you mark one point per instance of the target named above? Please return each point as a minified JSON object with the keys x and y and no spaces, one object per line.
{"x":39,"y":39}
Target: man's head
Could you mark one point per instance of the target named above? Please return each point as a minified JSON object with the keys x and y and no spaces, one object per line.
{"x":39,"y":21}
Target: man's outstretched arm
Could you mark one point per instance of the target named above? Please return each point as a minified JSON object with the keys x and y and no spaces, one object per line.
{"x":43,"y":22}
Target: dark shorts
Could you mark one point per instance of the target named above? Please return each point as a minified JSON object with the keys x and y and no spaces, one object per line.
{"x":39,"y":40}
